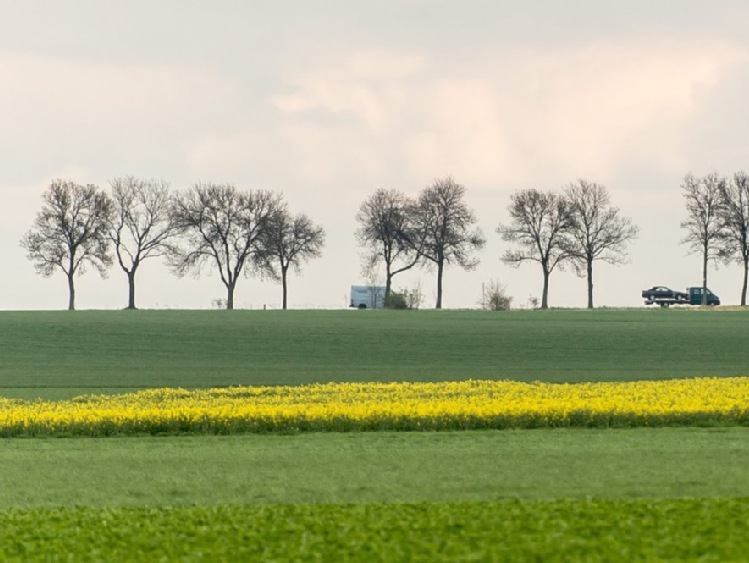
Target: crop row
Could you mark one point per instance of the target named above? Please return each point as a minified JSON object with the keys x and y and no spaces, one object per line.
{"x":563,"y":530}
{"x":386,"y":406}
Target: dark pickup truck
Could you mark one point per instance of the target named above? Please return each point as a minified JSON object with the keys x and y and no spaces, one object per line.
{"x":664,"y":296}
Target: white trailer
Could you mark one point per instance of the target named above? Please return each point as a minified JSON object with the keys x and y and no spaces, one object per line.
{"x":367,"y":296}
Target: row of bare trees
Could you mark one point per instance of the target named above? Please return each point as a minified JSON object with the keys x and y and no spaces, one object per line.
{"x":245,"y":232}
{"x":577,"y":227}
{"x":717,"y":223}
{"x":216,"y":226}
{"x":436,"y":228}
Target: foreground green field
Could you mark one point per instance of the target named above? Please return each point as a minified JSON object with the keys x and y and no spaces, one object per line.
{"x":377,"y":467}
{"x":61,"y":354}
{"x":584,"y":530}
{"x":658,"y":493}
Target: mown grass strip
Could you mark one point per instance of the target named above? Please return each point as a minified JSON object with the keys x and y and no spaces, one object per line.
{"x":465,"y":405}
{"x":565,"y":530}
{"x":374,"y":467}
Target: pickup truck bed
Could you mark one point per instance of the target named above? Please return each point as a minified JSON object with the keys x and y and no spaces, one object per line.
{"x":664,"y":296}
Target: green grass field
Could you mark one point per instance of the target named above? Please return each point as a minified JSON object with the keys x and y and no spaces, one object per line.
{"x":375,"y":467}
{"x":60,"y":354}
{"x":614,"y":495}
{"x":586,"y":530}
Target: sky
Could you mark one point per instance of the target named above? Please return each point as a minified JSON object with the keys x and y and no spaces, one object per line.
{"x":327,"y":101}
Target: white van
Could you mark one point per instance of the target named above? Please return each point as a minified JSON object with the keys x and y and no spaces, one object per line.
{"x":367,"y":296}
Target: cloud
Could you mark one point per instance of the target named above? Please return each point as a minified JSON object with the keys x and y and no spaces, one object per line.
{"x":90,"y":113}
{"x":516,"y":116}
{"x":367,"y":84}
{"x":597,"y":104}
{"x":508,"y":118}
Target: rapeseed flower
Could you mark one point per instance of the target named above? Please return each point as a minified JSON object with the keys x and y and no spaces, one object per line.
{"x":473,"y":404}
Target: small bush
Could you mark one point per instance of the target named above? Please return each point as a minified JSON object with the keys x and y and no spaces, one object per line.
{"x":494,"y":297}
{"x":414,"y":296}
{"x":396,"y":301}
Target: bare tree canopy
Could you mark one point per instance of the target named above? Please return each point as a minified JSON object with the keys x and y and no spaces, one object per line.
{"x":703,"y":224}
{"x":540,"y":221}
{"x":288,"y":242}
{"x":597,"y":230}
{"x":70,"y":231}
{"x":734,"y":223}
{"x":142,"y":225}
{"x":444,"y":227}
{"x":220,"y":227}
{"x":387,"y":232}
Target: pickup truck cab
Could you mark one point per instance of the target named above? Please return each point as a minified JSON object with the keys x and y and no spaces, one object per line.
{"x":695,"y":296}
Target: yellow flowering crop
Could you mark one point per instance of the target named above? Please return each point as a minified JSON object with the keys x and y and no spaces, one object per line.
{"x":386,"y":406}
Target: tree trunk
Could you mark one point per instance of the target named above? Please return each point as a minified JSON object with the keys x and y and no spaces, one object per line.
{"x":743,"y":287}
{"x":704,"y":278}
{"x":71,"y":292}
{"x":545,"y":292}
{"x":230,"y":295}
{"x":285,"y":287}
{"x":440,"y":269}
{"x":388,"y":283}
{"x":131,"y":289}
{"x":590,"y":283}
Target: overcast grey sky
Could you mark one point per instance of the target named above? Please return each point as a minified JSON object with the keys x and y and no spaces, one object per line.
{"x":327,"y":101}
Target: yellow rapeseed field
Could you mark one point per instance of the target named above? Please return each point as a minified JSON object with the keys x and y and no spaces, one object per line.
{"x":386,"y":406}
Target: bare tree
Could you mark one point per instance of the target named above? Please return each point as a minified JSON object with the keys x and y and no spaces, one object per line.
{"x":288,"y":242}
{"x":703,"y":224}
{"x":540,"y":221}
{"x":734,"y":221}
{"x":220,"y":227}
{"x":443,"y":225}
{"x":70,"y":232}
{"x":597,"y":231}
{"x":142,"y":225}
{"x":386,"y":229}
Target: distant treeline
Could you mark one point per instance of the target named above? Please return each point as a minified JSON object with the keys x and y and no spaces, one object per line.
{"x":238,"y":231}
